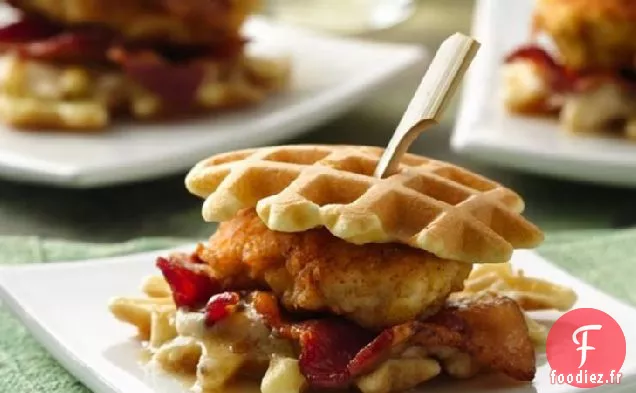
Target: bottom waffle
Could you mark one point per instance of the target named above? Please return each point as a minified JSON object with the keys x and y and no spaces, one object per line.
{"x":36,"y":95}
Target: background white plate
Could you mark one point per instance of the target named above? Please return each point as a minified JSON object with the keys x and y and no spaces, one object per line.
{"x":485,"y":131}
{"x":64,"y":305}
{"x":330,"y":75}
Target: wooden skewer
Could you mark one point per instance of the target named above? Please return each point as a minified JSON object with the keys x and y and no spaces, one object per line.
{"x":431,"y":98}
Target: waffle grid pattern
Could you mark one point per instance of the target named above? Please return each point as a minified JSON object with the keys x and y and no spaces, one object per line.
{"x":428,"y":204}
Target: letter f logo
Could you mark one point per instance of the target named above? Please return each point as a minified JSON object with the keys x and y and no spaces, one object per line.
{"x":583,"y":343}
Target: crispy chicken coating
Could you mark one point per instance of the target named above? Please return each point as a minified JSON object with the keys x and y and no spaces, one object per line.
{"x":374,"y":285}
{"x":590,"y":34}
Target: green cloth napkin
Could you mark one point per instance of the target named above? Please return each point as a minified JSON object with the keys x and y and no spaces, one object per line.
{"x":606,"y":259}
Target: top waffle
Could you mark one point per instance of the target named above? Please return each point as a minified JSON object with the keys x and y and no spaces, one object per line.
{"x":430,"y":205}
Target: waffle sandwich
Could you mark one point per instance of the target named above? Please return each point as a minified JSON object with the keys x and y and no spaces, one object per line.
{"x":321,"y":276}
{"x":76,"y":64}
{"x":589,"y":79}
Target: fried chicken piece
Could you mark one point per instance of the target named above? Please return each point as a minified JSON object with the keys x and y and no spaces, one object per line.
{"x":374,"y":285}
{"x":178,"y":21}
{"x":590,"y":34}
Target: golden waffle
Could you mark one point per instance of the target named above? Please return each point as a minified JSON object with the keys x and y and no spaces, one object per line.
{"x":427,"y":204}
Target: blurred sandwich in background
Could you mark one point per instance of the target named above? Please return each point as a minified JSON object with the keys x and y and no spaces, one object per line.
{"x":586,"y":73}
{"x":75,"y":64}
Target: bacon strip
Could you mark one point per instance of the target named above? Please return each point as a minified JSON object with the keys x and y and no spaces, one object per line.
{"x":563,"y":80}
{"x":220,"y":307}
{"x":191,"y":284}
{"x":37,"y":38}
{"x":172,"y":72}
{"x":334,"y":351}
{"x":491,"y":329}
{"x":80,"y":46}
{"x":327,"y":347}
{"x":559,"y":78}
{"x":380,"y":349}
{"x":176,"y":84}
{"x":27,"y":29}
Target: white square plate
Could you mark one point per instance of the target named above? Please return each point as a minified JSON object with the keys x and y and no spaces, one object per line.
{"x":330,"y":75}
{"x":485,"y":131}
{"x":100,"y":351}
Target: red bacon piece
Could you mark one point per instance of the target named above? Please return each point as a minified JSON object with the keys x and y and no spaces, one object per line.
{"x":327,"y":347}
{"x":175,"y":83}
{"x":333,"y":352}
{"x":534,"y":53}
{"x":78,"y":46}
{"x":172,"y":72}
{"x":26,"y":29}
{"x":559,"y":78}
{"x":220,"y":307}
{"x":491,"y":329}
{"x":380,"y":348}
{"x":38,"y":38}
{"x":191,"y":284}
